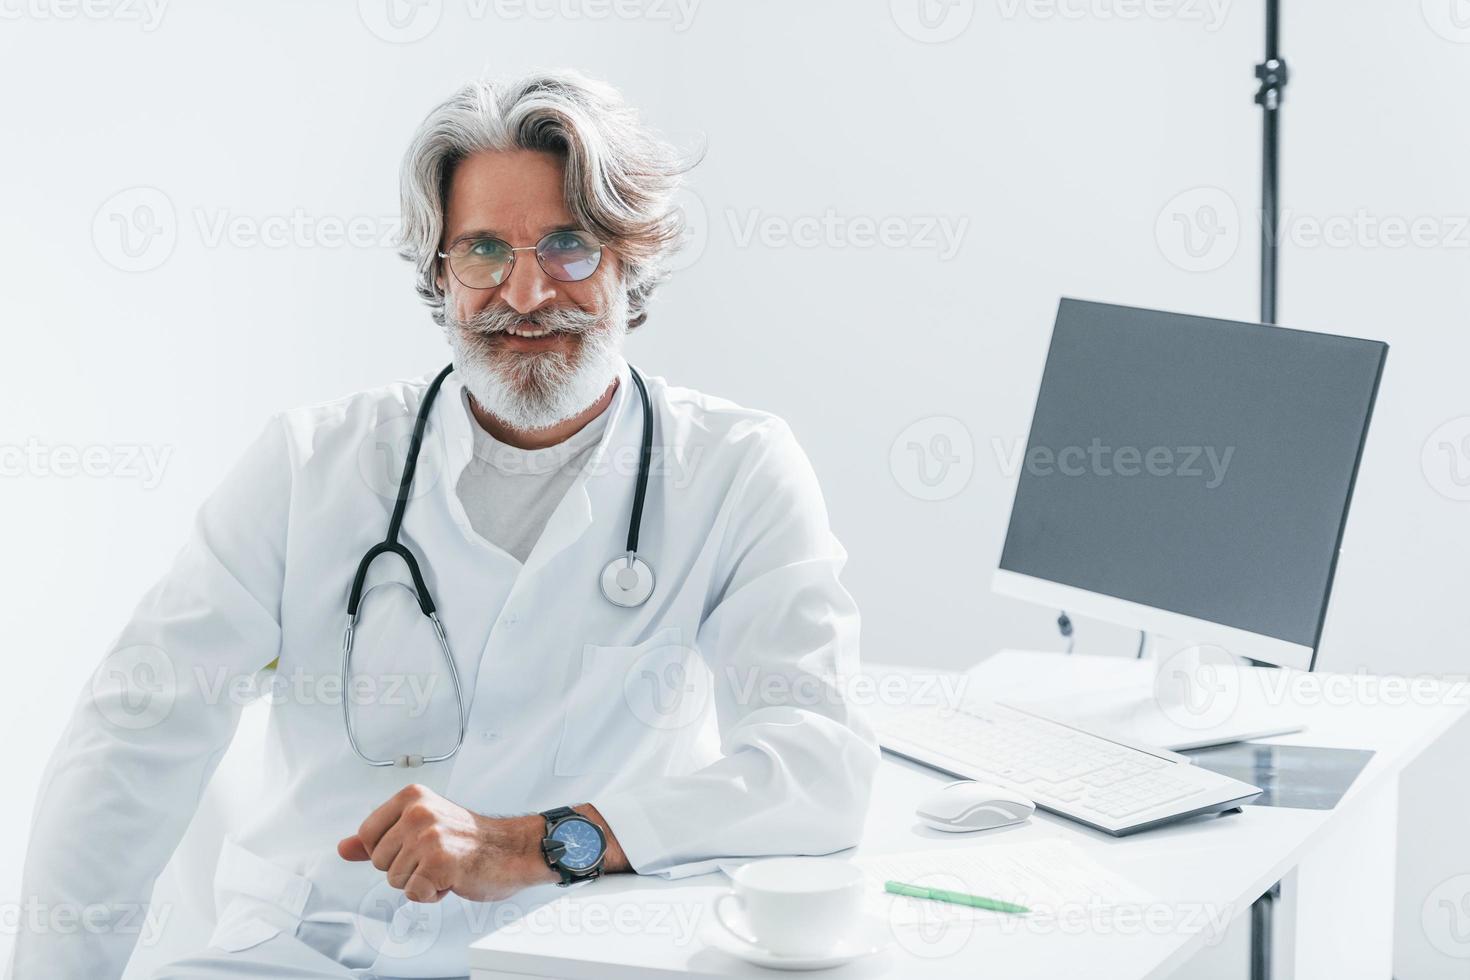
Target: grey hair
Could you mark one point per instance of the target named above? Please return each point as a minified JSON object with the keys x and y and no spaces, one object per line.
{"x":620,"y":177}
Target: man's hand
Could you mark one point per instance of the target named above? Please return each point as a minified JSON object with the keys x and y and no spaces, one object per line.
{"x":430,"y":847}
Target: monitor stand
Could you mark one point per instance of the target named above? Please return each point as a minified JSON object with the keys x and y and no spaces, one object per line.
{"x":1200,"y":696}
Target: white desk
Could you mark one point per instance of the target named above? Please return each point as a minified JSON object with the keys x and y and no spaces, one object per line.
{"x":1336,"y":868}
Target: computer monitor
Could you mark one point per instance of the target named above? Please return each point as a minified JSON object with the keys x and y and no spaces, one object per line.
{"x":1191,"y":477}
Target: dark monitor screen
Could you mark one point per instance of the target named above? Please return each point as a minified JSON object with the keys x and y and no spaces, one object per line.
{"x":1199,"y":466}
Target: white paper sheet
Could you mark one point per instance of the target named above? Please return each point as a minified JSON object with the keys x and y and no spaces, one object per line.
{"x":1053,"y":878}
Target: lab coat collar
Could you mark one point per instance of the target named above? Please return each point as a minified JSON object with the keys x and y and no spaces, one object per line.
{"x":573,"y":516}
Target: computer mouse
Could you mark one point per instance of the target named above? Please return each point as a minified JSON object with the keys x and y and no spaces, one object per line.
{"x":967,"y":805}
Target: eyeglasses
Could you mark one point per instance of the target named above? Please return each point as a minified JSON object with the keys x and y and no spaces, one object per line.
{"x":484,"y":263}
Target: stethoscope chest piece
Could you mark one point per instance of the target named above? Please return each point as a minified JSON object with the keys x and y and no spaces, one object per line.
{"x":627,"y":581}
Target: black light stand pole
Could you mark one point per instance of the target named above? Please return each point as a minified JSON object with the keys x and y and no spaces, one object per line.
{"x":1273,"y":76}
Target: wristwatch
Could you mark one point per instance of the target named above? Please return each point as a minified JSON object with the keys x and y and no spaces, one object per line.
{"x":573,"y":846}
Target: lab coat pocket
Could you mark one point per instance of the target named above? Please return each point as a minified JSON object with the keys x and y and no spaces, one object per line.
{"x":631,"y":708}
{"x":256,"y":899}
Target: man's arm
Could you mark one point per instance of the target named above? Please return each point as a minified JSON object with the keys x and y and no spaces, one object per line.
{"x":151,"y":725}
{"x":781,"y":639}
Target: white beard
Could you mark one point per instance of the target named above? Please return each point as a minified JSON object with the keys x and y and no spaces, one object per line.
{"x":528,"y":392}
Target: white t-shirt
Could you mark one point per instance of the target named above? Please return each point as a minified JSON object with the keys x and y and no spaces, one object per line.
{"x":509,"y":494}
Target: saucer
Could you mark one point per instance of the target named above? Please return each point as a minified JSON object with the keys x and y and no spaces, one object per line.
{"x":872,"y":936}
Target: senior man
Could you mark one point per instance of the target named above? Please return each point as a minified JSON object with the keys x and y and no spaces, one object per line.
{"x":561,"y":663}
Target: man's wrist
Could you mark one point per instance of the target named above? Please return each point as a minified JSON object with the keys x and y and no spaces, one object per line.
{"x":614,"y":861}
{"x":529,"y":832}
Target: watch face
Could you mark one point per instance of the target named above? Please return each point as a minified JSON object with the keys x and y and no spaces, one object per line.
{"x":583,"y":841}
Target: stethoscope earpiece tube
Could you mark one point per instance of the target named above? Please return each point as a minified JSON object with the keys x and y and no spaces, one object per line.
{"x":421,"y":591}
{"x":628,"y":580}
{"x":405,"y":489}
{"x":411,"y":463}
{"x":645,"y":460}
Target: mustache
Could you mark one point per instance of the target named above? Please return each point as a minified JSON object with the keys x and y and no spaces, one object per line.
{"x":498,"y":319}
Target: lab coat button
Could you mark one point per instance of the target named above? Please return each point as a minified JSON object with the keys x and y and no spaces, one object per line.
{"x":489,"y":735}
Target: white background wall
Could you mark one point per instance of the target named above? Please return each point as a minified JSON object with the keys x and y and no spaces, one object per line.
{"x":1056,"y":135}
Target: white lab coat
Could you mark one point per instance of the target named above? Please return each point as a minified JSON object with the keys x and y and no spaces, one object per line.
{"x":710,"y":722}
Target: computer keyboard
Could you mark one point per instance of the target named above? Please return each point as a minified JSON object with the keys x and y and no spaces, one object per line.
{"x":1106,"y":784}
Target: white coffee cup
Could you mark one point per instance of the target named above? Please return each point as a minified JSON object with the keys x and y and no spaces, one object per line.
{"x":793,"y":906}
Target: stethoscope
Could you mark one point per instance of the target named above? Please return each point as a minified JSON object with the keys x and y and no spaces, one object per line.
{"x":626,"y":581}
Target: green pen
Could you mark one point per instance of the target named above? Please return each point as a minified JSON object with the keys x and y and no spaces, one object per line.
{"x":957,"y":898}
